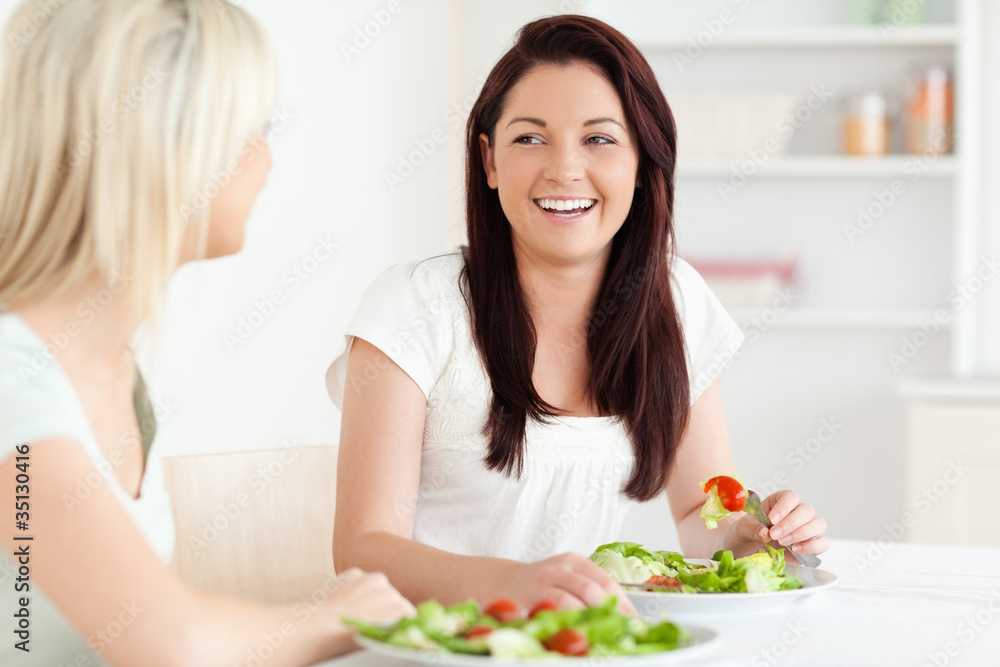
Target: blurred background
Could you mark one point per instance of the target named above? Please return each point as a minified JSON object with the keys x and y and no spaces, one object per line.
{"x":836,"y":185}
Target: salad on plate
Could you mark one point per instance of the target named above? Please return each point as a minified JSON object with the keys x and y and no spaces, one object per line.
{"x":503,"y":631}
{"x":669,"y":572}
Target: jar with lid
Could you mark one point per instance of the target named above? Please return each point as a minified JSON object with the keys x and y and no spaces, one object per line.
{"x":929,"y":114}
{"x":866,"y":125}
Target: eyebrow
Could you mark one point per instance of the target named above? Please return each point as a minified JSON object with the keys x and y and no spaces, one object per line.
{"x":541,"y":123}
{"x":534,"y":121}
{"x":598,"y":121}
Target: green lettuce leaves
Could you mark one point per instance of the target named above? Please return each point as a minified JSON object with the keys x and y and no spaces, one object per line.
{"x":609,"y":632}
{"x":758,"y":573}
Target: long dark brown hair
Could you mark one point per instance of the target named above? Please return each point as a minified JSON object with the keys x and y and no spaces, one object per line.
{"x":635,"y":342}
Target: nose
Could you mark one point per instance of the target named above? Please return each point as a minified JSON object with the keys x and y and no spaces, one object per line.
{"x":565,"y":164}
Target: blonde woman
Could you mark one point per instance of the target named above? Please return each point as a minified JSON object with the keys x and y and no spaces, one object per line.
{"x":131,"y":143}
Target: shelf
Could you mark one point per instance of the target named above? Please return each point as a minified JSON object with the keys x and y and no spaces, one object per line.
{"x":949,"y":389}
{"x":943,"y":35}
{"x":811,"y":166}
{"x":835,"y":319}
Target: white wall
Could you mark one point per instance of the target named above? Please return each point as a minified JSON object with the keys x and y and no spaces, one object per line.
{"x":355,"y":115}
{"x":354,"y":120}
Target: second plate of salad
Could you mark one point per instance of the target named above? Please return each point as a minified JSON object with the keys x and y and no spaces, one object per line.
{"x":699,"y":588}
{"x":464,"y":635}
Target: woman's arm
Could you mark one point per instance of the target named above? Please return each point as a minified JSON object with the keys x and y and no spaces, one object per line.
{"x":705,"y":453}
{"x":96,"y":567}
{"x":378,"y":476}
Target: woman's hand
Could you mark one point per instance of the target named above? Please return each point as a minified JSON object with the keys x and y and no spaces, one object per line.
{"x":570,"y":580}
{"x":796,"y":527}
{"x":369,"y":597}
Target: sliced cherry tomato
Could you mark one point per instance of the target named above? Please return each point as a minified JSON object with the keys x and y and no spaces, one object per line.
{"x":478,"y":631}
{"x":544,"y":605}
{"x":503,"y":610}
{"x":731,"y":492}
{"x":663,"y":580}
{"x":568,"y":642}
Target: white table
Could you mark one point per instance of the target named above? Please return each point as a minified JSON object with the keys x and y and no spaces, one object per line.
{"x":895,"y":604}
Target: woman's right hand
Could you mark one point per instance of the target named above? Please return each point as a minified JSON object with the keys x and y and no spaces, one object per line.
{"x":570,"y":580}
{"x":369,"y":597}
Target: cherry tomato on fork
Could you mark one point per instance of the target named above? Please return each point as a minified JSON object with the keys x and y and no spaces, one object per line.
{"x":503,"y":610}
{"x":731,"y":492}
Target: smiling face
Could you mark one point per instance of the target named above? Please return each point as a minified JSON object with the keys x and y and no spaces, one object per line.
{"x":564,"y":163}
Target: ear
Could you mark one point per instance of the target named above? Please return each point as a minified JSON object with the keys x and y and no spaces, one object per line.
{"x":489,"y":166}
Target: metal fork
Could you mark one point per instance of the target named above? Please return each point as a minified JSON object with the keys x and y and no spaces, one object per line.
{"x":753,"y":507}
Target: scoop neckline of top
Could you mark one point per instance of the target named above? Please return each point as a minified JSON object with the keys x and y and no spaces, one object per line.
{"x":40,"y":344}
{"x":572,"y":420}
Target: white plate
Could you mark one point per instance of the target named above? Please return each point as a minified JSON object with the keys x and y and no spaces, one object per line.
{"x":676,"y":606}
{"x":702,"y":641}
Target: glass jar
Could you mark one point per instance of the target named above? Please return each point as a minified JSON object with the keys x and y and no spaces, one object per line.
{"x":866,"y":125}
{"x":929,"y":114}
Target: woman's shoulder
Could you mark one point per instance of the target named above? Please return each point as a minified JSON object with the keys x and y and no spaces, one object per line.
{"x":26,"y":361}
{"x":37,"y":402}
{"x":434,"y":279}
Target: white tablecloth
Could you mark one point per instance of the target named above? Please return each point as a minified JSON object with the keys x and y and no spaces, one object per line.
{"x":895,"y":604}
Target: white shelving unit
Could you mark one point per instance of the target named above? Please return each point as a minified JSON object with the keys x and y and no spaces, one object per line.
{"x":862,"y":301}
{"x":840,"y":37}
{"x":818,"y":166}
{"x":836,"y":319}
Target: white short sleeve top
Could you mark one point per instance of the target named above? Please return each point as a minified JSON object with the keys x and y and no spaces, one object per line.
{"x":38,"y":402}
{"x":569,"y":497}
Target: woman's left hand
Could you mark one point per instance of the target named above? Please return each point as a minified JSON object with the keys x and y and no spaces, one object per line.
{"x":796,"y":527}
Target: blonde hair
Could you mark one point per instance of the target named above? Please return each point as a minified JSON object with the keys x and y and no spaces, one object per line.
{"x":120,"y":119}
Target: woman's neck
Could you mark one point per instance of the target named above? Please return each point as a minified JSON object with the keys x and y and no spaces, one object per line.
{"x":88,"y":329}
{"x":560,"y":292}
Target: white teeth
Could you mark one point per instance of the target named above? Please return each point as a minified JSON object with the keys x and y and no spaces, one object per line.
{"x":566,"y":204}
